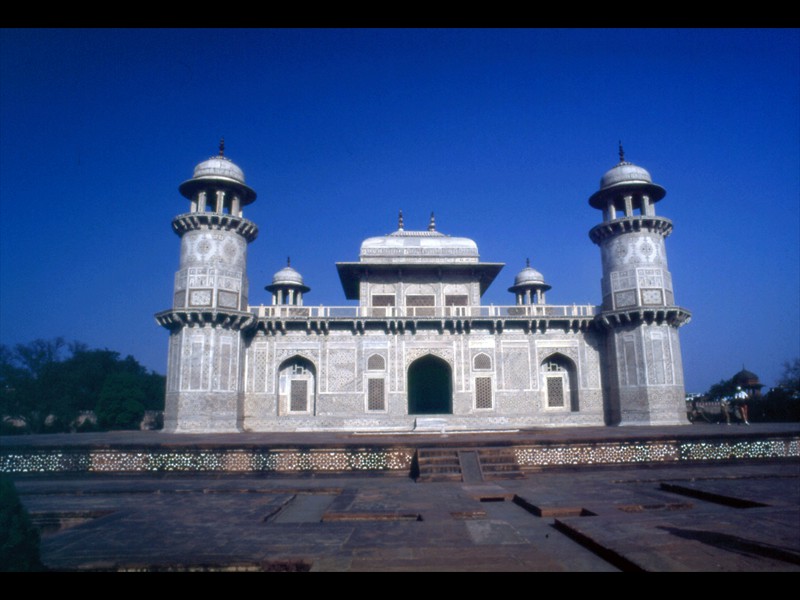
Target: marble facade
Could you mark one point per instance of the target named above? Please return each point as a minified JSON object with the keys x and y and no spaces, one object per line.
{"x":419,"y":351}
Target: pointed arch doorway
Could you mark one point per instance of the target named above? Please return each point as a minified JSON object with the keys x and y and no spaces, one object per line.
{"x":430,"y":387}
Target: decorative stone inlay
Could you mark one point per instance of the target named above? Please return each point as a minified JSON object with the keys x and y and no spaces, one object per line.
{"x":745,"y":449}
{"x":651,"y":297}
{"x":378,"y":459}
{"x":228,"y":299}
{"x":413,"y":354}
{"x":341,"y":372}
{"x":595,"y":454}
{"x":200,"y":298}
{"x":621,"y":453}
{"x":516,"y":370}
{"x":627,"y":298}
{"x":219,"y":460}
{"x":623,"y":280}
{"x":650,"y":278}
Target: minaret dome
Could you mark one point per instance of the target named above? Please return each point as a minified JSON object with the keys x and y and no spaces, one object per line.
{"x":218,"y":185}
{"x":624,"y":188}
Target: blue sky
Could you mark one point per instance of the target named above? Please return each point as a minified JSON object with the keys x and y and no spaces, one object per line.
{"x":503,"y":133}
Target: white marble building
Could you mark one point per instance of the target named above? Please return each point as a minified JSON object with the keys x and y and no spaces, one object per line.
{"x":419,"y":351}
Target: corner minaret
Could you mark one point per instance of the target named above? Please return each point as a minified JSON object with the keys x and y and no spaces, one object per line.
{"x":209,"y":309}
{"x":644,"y":369}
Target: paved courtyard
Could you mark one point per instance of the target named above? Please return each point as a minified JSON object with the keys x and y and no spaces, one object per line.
{"x":700,"y":517}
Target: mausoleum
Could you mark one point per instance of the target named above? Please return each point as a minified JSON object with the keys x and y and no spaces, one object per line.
{"x":420,"y":352}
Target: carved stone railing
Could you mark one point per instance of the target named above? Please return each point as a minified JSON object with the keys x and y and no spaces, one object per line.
{"x":420,"y":312}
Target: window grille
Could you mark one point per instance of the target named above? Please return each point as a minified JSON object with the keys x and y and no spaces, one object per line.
{"x":376,"y":363}
{"x":456,"y":300}
{"x":420,"y":305}
{"x":375,"y":394}
{"x":483,"y":392}
{"x":383,"y":300}
{"x":420,"y":300}
{"x":555,"y":392}
{"x":299,"y":395}
{"x":482,"y":362}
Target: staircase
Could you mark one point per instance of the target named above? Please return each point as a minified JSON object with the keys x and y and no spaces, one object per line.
{"x":499,"y":463}
{"x":438,"y":464}
{"x":469,"y":465}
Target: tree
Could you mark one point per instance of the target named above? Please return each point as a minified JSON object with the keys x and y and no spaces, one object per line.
{"x":790,"y":379}
{"x":48,"y":390}
{"x":19,"y":539}
{"x":121,"y":404}
{"x":26,"y":376}
{"x":718,"y":391}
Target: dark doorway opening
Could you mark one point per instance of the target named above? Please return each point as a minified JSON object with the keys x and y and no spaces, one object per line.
{"x":430,"y":387}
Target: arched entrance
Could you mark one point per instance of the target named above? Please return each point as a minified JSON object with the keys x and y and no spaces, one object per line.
{"x":560,"y":382}
{"x":296,"y":386}
{"x":430,"y":387}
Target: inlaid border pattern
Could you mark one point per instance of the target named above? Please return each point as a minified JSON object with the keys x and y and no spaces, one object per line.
{"x":378,"y":459}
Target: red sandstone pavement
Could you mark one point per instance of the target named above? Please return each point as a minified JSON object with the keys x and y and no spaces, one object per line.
{"x":722,"y":517}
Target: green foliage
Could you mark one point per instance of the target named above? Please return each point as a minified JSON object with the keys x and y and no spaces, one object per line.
{"x":47,"y":389}
{"x":718,"y":391}
{"x":121,"y":404}
{"x":19,"y":539}
{"x":790,"y":380}
{"x":780,"y":405}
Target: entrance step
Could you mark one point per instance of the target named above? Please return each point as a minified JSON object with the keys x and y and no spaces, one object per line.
{"x":432,"y":424}
{"x":438,"y":464}
{"x":499,"y":463}
{"x":470,"y":465}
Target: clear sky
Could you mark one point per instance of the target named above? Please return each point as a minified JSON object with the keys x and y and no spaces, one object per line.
{"x":503,"y":133}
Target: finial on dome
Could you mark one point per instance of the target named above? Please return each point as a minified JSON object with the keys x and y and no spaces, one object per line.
{"x":432,"y":223}
{"x":400,"y":220}
{"x":222,"y":146}
{"x":621,"y":153}
{"x":527,"y":262}
{"x":288,"y":261}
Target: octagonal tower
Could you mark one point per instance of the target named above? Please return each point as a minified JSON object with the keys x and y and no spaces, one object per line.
{"x":643,"y":365}
{"x":209,"y":309}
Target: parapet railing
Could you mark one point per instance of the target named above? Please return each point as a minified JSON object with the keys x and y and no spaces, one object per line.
{"x":351,"y":312}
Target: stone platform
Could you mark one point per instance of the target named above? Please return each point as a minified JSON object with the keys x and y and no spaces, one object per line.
{"x":389,"y":453}
{"x":736,"y":508}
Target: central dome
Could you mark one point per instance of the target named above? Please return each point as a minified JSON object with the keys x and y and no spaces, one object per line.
{"x":418,"y":247}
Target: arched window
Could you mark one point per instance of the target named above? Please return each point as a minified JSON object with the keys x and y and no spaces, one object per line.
{"x":376,"y":362}
{"x":560,"y":383}
{"x":482,"y":362}
{"x":297,"y":385}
